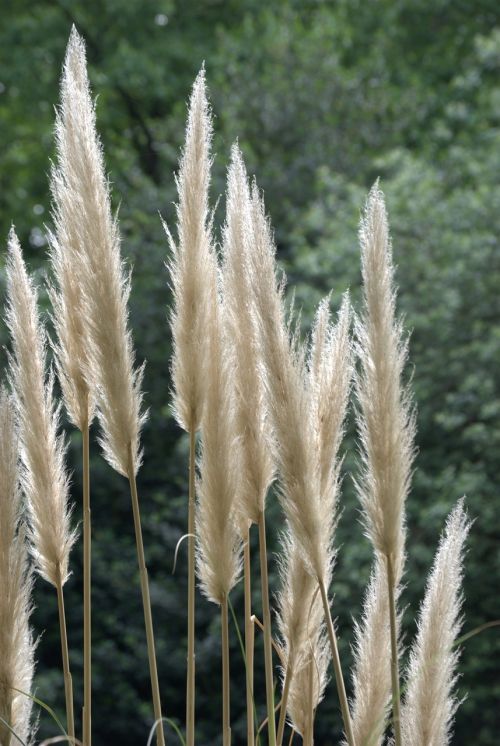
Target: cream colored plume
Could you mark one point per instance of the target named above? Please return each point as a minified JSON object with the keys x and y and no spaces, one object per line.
{"x":301,"y":626}
{"x":45,"y":481}
{"x":189,"y":263}
{"x":429,"y":705}
{"x":307,"y":688}
{"x":306,"y":692}
{"x":299,"y":609}
{"x":104,"y":282}
{"x":251,"y":416}
{"x":372,"y":663}
{"x":385,"y":419}
{"x":16,"y":639}
{"x":330,"y":375}
{"x":219,"y":546}
{"x":289,"y":402}
{"x":305,"y":452}
{"x":72,"y":185}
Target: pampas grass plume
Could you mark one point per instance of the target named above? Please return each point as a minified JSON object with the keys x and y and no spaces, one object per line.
{"x":330,"y":376}
{"x":386,"y":420}
{"x":105,"y":284}
{"x":429,"y":705}
{"x":372,"y":663}
{"x":302,"y":631}
{"x":45,"y":482}
{"x":74,"y":216}
{"x":307,"y":689}
{"x":219,"y":555}
{"x":190,"y":263}
{"x":288,"y":401}
{"x":299,"y":608}
{"x":306,"y":448}
{"x":16,"y":640}
{"x":251,"y":416}
{"x":306,"y":452}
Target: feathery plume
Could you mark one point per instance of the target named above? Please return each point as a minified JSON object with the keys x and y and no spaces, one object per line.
{"x":104,"y":291}
{"x":45,"y":482}
{"x":429,"y":705}
{"x":251,"y":417}
{"x":295,"y":405}
{"x":307,"y":688}
{"x":372,"y":663}
{"x":330,"y":375}
{"x":190,"y":262}
{"x":104,"y":283}
{"x":188,"y":266}
{"x":302,"y":631}
{"x":219,"y":560}
{"x":251,"y":422}
{"x":71,"y":244}
{"x":300,"y":612}
{"x":72,"y":185}
{"x":289,"y":404}
{"x":303,"y":466}
{"x":219,"y":542}
{"x":16,"y":640}
{"x":386,"y":420}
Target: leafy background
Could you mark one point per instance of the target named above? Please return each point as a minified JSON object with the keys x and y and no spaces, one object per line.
{"x":324,"y":98}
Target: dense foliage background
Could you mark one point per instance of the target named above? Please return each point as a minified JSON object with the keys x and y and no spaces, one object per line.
{"x":324,"y":97}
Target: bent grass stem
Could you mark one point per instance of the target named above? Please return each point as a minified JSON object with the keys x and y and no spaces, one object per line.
{"x":146,"y":602}
{"x":68,"y":683}
{"x":339,"y":679}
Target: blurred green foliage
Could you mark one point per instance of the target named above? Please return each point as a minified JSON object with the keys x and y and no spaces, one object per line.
{"x":324,"y":98}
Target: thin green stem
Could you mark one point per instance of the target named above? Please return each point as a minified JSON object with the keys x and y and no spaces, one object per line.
{"x":68,"y":683}
{"x":339,"y":679}
{"x":87,"y":623}
{"x":190,"y":678}
{"x":396,"y":696}
{"x":268,"y":651}
{"x":284,"y":701}
{"x":249,"y":637}
{"x":226,"y":697}
{"x":146,"y":602}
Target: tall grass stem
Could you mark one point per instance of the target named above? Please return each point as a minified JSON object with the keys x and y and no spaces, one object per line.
{"x":249,"y":637}
{"x":146,"y":601}
{"x":68,"y":683}
{"x":396,"y":697}
{"x":190,"y":679}
{"x":268,"y":650}
{"x":226,"y":695}
{"x":339,"y":679}
{"x":87,"y":616}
